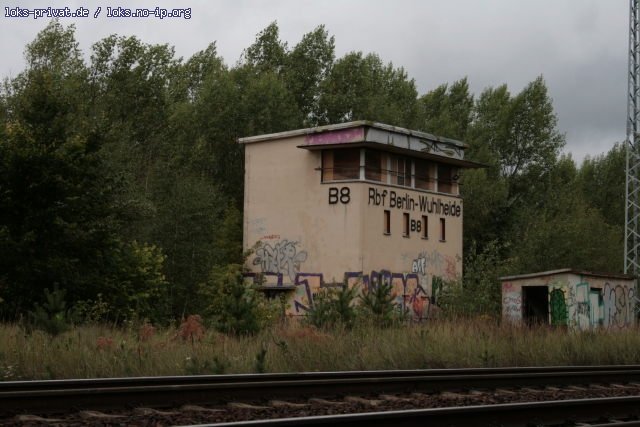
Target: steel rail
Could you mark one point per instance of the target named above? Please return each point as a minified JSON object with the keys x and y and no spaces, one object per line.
{"x":244,"y":378}
{"x":61,"y":395}
{"x":509,"y":414}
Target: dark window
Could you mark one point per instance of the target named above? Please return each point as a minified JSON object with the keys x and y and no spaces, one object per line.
{"x":387,"y":222}
{"x":423,"y":174}
{"x":373,"y":165}
{"x":443,"y":234}
{"x":425,"y":227}
{"x":346,"y":163}
{"x":445,"y":183}
{"x":405,"y":217}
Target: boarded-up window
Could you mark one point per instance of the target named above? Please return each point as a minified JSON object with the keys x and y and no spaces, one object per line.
{"x":445,"y":182}
{"x":373,"y":165}
{"x":422,"y":174}
{"x":327,"y":165}
{"x":346,"y":163}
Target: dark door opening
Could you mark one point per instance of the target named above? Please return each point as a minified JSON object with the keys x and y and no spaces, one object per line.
{"x":535,"y":304}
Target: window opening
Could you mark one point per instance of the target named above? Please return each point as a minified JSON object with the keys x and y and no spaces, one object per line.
{"x":401,"y":171}
{"x":373,"y":165}
{"x":422,"y":174}
{"x":387,"y":222}
{"x":405,"y":217}
{"x":445,"y":183}
{"x":346,"y":163}
{"x":425,"y":227}
{"x":535,"y":304}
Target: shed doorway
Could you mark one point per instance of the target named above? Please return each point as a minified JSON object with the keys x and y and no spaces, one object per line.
{"x":535,"y":304}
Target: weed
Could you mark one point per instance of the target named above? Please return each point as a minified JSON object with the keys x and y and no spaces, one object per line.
{"x":261,"y":361}
{"x":52,"y":316}
{"x":191,"y":329}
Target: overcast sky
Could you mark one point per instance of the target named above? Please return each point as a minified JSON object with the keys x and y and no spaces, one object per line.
{"x":579,"y":46}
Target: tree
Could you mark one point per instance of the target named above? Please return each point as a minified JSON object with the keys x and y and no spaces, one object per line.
{"x":520,"y":131}
{"x":447,"y":110}
{"x":307,"y":66}
{"x":268,"y":53}
{"x":601,"y":179}
{"x":517,"y":137}
{"x":363,"y":88}
{"x":60,"y":216}
{"x":565,"y":231}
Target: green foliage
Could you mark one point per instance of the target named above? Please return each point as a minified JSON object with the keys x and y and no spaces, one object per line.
{"x":216,"y":366}
{"x":139,"y":288}
{"x":52,"y":316}
{"x":228,"y":238}
{"x":478,"y":292}
{"x":307,"y":66}
{"x":235,"y":306}
{"x":378,"y":307}
{"x":362,"y":87}
{"x":601,"y":179}
{"x":267,"y":53}
{"x":92,"y":311}
{"x":261,"y":361}
{"x":60,"y":203}
{"x":447,"y":110}
{"x":333,"y":307}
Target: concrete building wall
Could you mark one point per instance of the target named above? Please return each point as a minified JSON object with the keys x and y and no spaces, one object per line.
{"x":578,"y":300}
{"x":308,"y":234}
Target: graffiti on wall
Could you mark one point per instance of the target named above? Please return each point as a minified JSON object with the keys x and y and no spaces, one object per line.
{"x":283,"y":257}
{"x":414,"y":291}
{"x":619,"y":305}
{"x":511,"y":301}
{"x":581,"y":306}
{"x":434,"y":263}
{"x":409,"y":296}
{"x":580,"y":303}
{"x":558,"y":307}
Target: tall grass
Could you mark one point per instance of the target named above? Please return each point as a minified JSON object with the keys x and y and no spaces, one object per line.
{"x":101,"y":351}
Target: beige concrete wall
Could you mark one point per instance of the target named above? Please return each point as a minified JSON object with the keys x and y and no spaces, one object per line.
{"x":579,"y":301}
{"x":313,"y":234}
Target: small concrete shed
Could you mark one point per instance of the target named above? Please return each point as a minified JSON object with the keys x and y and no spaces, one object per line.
{"x":573,"y":298}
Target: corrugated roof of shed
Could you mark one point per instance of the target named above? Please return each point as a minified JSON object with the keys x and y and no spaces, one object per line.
{"x":568,"y":271}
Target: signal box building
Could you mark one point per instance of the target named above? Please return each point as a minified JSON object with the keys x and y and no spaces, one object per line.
{"x":357,"y":203}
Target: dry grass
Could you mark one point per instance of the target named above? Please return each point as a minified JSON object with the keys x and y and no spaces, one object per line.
{"x":101,"y":351}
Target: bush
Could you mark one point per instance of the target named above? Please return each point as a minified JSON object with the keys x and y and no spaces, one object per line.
{"x":377,"y":306}
{"x":333,"y":307}
{"x":236,"y":307}
{"x":52,"y":316}
{"x":478,"y":292}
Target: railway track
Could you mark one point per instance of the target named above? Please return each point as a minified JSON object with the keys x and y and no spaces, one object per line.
{"x":500,"y":396}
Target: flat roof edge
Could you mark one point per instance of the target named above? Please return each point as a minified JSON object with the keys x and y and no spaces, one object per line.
{"x":468,"y":164}
{"x":347,"y":125}
{"x":569,"y":271}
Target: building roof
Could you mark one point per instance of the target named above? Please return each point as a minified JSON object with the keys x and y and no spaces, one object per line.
{"x":568,"y":271}
{"x":364,"y":133}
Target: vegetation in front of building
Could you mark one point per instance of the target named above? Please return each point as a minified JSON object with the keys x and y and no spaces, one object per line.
{"x":121,"y":186}
{"x":192,"y":348}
